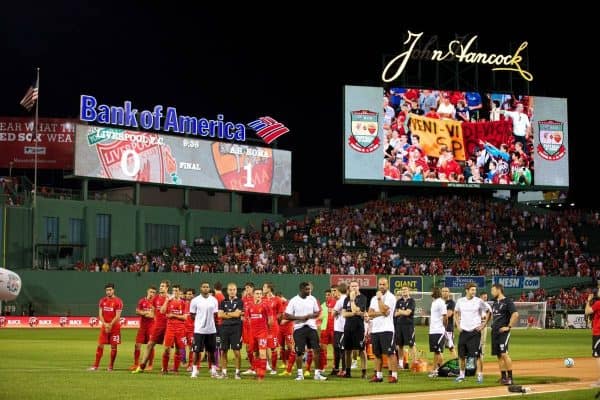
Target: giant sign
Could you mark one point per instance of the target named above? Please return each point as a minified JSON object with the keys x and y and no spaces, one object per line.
{"x":422,"y":137}
{"x":119,"y":154}
{"x":55,"y":143}
{"x":414,"y":283}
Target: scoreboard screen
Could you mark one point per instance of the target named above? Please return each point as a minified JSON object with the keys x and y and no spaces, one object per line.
{"x":119,"y":154}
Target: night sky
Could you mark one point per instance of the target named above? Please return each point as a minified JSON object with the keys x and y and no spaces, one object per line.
{"x":292,"y":68}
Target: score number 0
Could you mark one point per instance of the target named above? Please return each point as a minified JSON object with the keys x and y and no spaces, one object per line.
{"x":135,"y":168}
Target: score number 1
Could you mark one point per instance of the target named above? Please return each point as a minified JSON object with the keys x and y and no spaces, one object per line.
{"x":248,"y":169}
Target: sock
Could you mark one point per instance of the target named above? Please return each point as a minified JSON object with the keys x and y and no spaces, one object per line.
{"x":99,"y":351}
{"x":282,"y":355}
{"x":213,"y":369}
{"x":274,"y":360}
{"x":182,"y":355}
{"x":479,"y":374}
{"x":136,"y":357}
{"x":347,"y":371}
{"x":395,"y":374}
{"x":194,"y":369}
{"x":291,"y":361}
{"x":363,"y":372}
{"x":379,"y":374}
{"x":309,"y":359}
{"x":336,"y":358}
{"x":224,"y":371}
{"x":510,"y":374}
{"x":237,"y":371}
{"x":177,"y":360}
{"x":323,"y":359}
{"x":503,"y":374}
{"x":113,"y":355}
{"x":165,"y":361}
{"x":462,"y":373}
{"x":151,"y":357}
{"x":251,"y":360}
{"x":261,"y":367}
{"x":300,"y":373}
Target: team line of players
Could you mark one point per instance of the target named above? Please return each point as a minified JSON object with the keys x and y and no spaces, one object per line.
{"x":213,"y":323}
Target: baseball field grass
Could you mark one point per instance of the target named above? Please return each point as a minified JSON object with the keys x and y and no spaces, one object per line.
{"x":51,"y":364}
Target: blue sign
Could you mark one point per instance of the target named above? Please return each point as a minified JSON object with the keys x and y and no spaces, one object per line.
{"x":169,"y":121}
{"x":414,"y":283}
{"x":518,"y":282}
{"x":461,"y":281}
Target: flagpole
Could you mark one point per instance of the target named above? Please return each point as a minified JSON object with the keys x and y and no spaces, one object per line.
{"x":35,"y":166}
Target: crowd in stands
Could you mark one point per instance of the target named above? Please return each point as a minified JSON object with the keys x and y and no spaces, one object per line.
{"x":424,"y":236}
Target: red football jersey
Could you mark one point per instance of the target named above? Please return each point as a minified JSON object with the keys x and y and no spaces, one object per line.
{"x":145,"y":305}
{"x":330,"y":304}
{"x":177,"y":307}
{"x":160,"y":319}
{"x":220,"y":297}
{"x":257,"y":315}
{"x":110,"y":306}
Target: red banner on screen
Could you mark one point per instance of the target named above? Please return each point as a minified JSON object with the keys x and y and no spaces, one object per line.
{"x":61,"y":322}
{"x":364,"y":281}
{"x":56,"y":143}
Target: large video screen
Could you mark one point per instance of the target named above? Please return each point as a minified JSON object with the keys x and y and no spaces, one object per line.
{"x":110,"y":153}
{"x":407,"y":136}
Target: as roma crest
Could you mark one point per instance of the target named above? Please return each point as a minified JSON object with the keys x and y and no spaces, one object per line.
{"x":244,"y":168}
{"x":551,"y":140}
{"x":364,"y":136}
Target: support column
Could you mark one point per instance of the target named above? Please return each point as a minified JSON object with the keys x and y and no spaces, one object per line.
{"x":84,"y":189}
{"x":137,"y":194}
{"x":235,"y":203}
{"x":274,"y":205}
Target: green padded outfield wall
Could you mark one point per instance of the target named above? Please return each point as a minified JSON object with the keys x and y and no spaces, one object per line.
{"x":77,"y":293}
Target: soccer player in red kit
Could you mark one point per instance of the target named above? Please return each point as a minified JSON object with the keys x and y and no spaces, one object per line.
{"x":247,"y":299}
{"x":175,"y":310}
{"x":146,"y":312}
{"x":189,"y":327}
{"x":109,"y":313}
{"x":160,"y":324}
{"x":259,"y":317}
{"x":274,"y":304}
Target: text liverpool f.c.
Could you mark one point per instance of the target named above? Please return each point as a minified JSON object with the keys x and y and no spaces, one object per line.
{"x":169,"y":121}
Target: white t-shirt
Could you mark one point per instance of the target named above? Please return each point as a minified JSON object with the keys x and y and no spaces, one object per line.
{"x":299,"y":306}
{"x":205,"y":309}
{"x":436,"y":323}
{"x":339,"y":322}
{"x":383,"y":323}
{"x":470,"y":312}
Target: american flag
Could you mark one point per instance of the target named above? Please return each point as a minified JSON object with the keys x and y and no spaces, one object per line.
{"x":30,"y":97}
{"x":268,"y":129}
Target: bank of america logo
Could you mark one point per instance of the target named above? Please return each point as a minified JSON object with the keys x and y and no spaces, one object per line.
{"x":268,"y":129}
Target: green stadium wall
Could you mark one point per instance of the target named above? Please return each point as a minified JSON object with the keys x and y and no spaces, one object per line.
{"x":77,"y":293}
{"x":127,"y":226}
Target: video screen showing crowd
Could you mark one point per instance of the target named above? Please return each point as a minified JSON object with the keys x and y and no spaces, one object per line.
{"x":454,"y":136}
{"x":202,"y":328}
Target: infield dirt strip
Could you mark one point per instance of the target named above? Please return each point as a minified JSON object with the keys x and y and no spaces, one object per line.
{"x":585,"y":370}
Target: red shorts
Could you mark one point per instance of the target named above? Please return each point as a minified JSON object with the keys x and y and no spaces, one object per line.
{"x":258,"y":342}
{"x":113,"y":337}
{"x":286,"y":335}
{"x":326,"y":337}
{"x":272,"y":341}
{"x":158,"y":334}
{"x":175,"y":337}
{"x":143,"y":334}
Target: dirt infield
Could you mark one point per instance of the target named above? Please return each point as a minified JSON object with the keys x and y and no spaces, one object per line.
{"x":584,"y":370}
